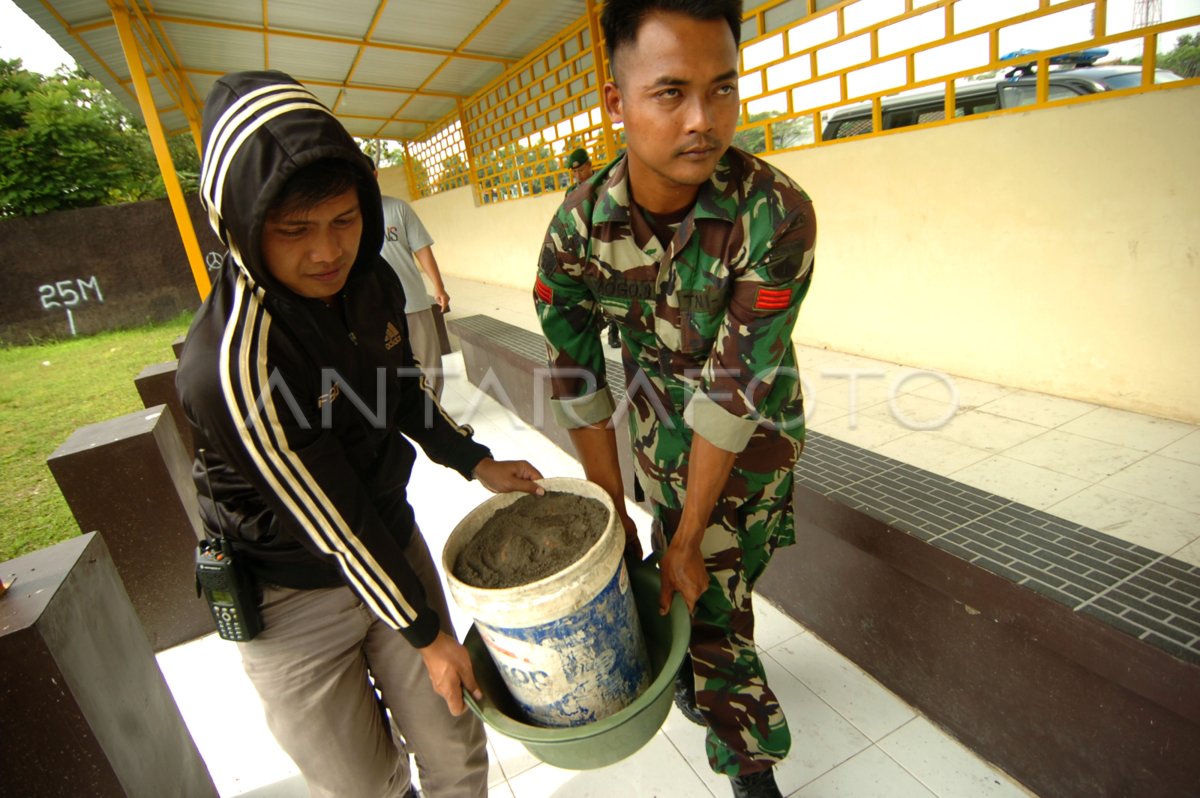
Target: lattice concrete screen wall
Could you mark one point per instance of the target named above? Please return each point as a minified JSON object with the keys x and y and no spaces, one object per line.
{"x":801,"y":61}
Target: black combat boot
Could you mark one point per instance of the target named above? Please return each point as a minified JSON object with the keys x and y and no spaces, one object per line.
{"x":685,"y":693}
{"x":756,"y":785}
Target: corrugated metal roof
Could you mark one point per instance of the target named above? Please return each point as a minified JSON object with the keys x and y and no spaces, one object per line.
{"x":432,"y":24}
{"x":465,"y":76}
{"x":388,"y":68}
{"x":524,"y":24}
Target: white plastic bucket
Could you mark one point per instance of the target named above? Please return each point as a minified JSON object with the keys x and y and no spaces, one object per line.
{"x":569,"y":647}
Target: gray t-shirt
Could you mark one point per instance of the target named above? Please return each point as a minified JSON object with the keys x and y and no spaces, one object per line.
{"x":403,"y":235}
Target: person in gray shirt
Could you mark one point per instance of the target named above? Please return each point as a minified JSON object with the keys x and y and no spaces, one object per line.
{"x":406,"y":245}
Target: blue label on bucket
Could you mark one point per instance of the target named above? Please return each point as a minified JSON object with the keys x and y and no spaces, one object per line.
{"x":579,"y":668}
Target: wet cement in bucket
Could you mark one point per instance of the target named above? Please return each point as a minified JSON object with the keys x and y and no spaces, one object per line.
{"x":531,"y":539}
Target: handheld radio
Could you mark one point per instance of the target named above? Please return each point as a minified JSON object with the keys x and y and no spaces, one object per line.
{"x":226,"y":585}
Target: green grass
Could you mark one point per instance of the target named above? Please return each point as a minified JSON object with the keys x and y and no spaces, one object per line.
{"x":47,"y":391}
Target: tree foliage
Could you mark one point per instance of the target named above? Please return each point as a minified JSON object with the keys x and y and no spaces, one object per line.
{"x":1183,"y":60}
{"x":785,"y":133}
{"x":66,"y":142}
{"x":384,"y":152}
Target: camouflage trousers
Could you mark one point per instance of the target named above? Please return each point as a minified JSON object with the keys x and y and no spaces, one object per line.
{"x":747,"y":731}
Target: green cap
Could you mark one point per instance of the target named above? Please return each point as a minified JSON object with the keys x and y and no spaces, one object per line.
{"x":578,"y":158}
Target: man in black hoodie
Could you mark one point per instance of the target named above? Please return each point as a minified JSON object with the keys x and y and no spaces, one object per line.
{"x":299,"y":381}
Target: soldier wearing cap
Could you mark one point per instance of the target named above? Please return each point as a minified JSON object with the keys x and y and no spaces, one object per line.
{"x":580,"y":165}
{"x":702,"y":254}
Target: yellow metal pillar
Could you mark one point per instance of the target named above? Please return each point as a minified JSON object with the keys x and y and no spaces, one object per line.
{"x":413,"y":194}
{"x":468,"y":144}
{"x":158,"y":140}
{"x":610,"y":139}
{"x":163,"y":65}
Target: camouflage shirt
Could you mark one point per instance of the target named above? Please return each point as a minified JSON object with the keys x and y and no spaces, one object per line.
{"x":706,"y":318}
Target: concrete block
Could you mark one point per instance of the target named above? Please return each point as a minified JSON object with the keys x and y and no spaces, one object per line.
{"x":156,"y":386}
{"x":86,"y":710}
{"x":130,"y":479}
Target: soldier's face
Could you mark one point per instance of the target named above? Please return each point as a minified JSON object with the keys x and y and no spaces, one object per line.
{"x":676,"y":93}
{"x":581,"y":172}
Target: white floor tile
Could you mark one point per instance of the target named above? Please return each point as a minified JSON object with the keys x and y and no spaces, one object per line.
{"x":242,"y":756}
{"x":495,"y":772}
{"x":914,"y":413}
{"x":772,"y":626}
{"x":293,"y":787}
{"x":1186,"y":448}
{"x":512,"y":758}
{"x":874,"y":710}
{"x":1037,"y":408}
{"x":988,"y":433}
{"x":852,"y":389}
{"x":968,"y":393}
{"x":862,"y":431}
{"x":1128,"y":429}
{"x":871,"y":774}
{"x":821,"y":738}
{"x":818,"y":412}
{"x":1029,"y":484}
{"x":945,"y":766}
{"x":1189,"y":554}
{"x":1123,"y":515}
{"x":1075,"y":455}
{"x":501,"y":790}
{"x":1172,"y":482}
{"x":688,"y":740}
{"x":657,"y":769}
{"x":822,"y":359}
{"x":932,"y":452}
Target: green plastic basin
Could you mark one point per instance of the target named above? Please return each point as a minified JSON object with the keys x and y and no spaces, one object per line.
{"x":611,"y":739}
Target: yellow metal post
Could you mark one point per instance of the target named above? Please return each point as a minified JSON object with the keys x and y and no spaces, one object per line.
{"x":468,"y":143}
{"x":159,"y":141}
{"x":413,"y":194}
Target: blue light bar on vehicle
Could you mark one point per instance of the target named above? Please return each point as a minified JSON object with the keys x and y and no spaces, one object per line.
{"x":1079,"y":58}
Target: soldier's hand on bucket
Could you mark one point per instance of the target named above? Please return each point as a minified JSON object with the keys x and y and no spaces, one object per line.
{"x":506,"y":476}
{"x":682,"y":569}
{"x":449,"y":667}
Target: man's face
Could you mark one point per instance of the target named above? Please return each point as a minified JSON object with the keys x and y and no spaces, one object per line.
{"x":676,"y":93}
{"x":311,"y":250}
{"x":581,"y":172}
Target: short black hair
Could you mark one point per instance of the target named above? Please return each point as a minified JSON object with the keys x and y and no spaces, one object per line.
{"x":621,"y":19}
{"x":319,"y":181}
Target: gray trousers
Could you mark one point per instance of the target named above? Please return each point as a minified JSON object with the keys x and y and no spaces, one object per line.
{"x":310,"y":667}
{"x":423,"y":337}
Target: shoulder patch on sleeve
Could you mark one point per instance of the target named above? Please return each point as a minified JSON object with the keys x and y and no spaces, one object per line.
{"x":544,"y":292}
{"x":772,"y":298}
{"x":786,"y":262}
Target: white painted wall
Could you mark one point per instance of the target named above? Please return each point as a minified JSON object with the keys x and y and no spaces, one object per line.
{"x":393,"y":182}
{"x":1056,"y":250}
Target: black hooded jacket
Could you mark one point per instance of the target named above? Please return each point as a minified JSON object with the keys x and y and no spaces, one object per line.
{"x":302,"y":408}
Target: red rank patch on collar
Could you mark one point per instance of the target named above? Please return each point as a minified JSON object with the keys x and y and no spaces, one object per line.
{"x":772,"y":298}
{"x":544,"y":292}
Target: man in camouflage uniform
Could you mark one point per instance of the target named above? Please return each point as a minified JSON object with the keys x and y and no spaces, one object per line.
{"x":579,"y":163}
{"x":702,"y":254}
